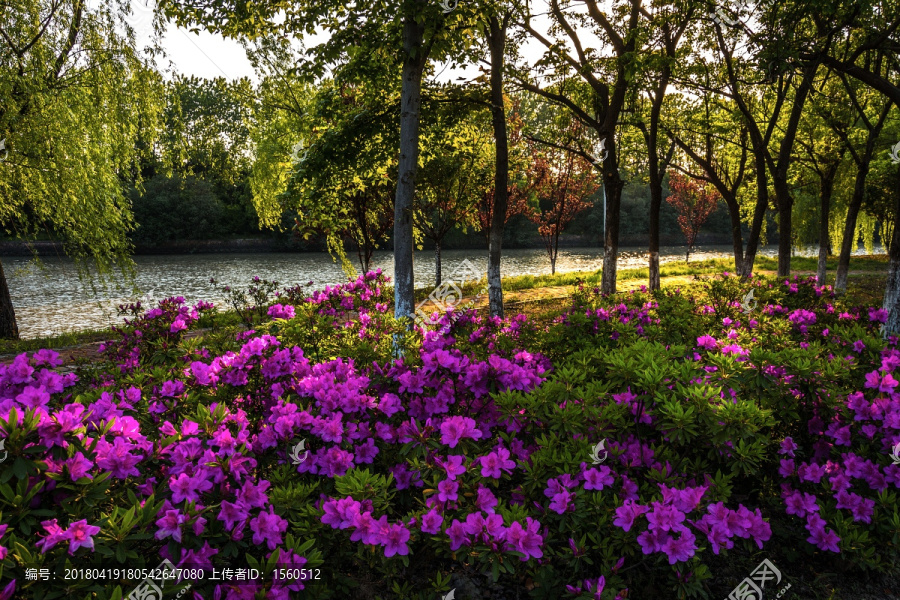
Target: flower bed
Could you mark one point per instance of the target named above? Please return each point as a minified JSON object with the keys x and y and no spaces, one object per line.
{"x":310,"y":458}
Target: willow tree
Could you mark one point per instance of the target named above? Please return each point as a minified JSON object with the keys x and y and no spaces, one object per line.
{"x":78,"y":107}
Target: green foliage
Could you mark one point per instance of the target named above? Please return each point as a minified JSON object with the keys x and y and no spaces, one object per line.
{"x":77,"y":115}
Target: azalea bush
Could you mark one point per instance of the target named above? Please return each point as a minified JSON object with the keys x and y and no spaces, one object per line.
{"x":331,"y":452}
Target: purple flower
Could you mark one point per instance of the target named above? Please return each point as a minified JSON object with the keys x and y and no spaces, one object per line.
{"x":626,"y":514}
{"x":55,"y":535}
{"x":394,"y":538}
{"x":706,"y":341}
{"x":431,"y":522}
{"x":598,"y":478}
{"x":800,"y":504}
{"x":681,"y":549}
{"x":495,"y":463}
{"x":447,"y":490}
{"x":457,"y":535}
{"x":787,"y":447}
{"x":666,"y":518}
{"x":485,"y":500}
{"x":453,"y":429}
{"x":170,"y":525}
{"x":562,"y":502}
{"x":268,"y":527}
{"x":455,"y":465}
{"x":277,"y":311}
{"x":230,"y":514}
{"x":79,"y":534}
{"x":525,"y":539}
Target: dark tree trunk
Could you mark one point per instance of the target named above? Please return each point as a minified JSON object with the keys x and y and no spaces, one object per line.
{"x":759,"y":214}
{"x":824,"y":220}
{"x":892,"y":288}
{"x":783,"y":197}
{"x":437,"y":264}
{"x":410,"y":101}
{"x":497,"y":41}
{"x":785,"y":209}
{"x":613,"y":185}
{"x":9,"y":329}
{"x":656,"y":177}
{"x":849,"y":240}
{"x":737,"y":241}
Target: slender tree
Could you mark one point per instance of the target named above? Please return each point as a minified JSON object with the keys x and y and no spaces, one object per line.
{"x":563,"y":194}
{"x":70,"y":74}
{"x":593,"y":86}
{"x":695,"y":202}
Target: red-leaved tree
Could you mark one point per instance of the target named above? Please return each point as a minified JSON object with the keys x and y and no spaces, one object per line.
{"x":694,"y":202}
{"x":563,"y":193}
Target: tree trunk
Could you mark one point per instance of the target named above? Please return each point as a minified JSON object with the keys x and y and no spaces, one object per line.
{"x":785,"y":206}
{"x":497,"y":41}
{"x":783,"y":196}
{"x":824,"y":220}
{"x":892,"y":288}
{"x":9,"y":329}
{"x":850,"y":240}
{"x":553,"y":265}
{"x":410,"y":101}
{"x":737,"y":241}
{"x":613,"y":185}
{"x":437,"y":264}
{"x":759,"y":213}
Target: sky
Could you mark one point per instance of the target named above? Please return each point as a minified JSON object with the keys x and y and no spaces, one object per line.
{"x":210,"y":55}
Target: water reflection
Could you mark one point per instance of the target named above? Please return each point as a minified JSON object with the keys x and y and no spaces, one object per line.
{"x":54,"y":300}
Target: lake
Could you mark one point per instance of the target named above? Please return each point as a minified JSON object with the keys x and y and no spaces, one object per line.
{"x":54,"y":300}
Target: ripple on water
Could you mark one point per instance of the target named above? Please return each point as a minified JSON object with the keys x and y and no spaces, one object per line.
{"x":54,"y":300}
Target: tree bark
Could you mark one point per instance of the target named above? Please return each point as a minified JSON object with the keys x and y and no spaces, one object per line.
{"x":497,"y":41}
{"x":411,"y":95}
{"x":759,"y":213}
{"x":848,"y":243}
{"x":655,"y":183}
{"x":824,"y":219}
{"x":892,"y":288}
{"x":9,"y":329}
{"x":613,"y":185}
{"x":783,"y":197}
{"x":437,"y":264}
{"x":737,"y":241}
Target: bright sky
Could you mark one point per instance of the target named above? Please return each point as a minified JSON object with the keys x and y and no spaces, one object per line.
{"x":210,"y":55}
